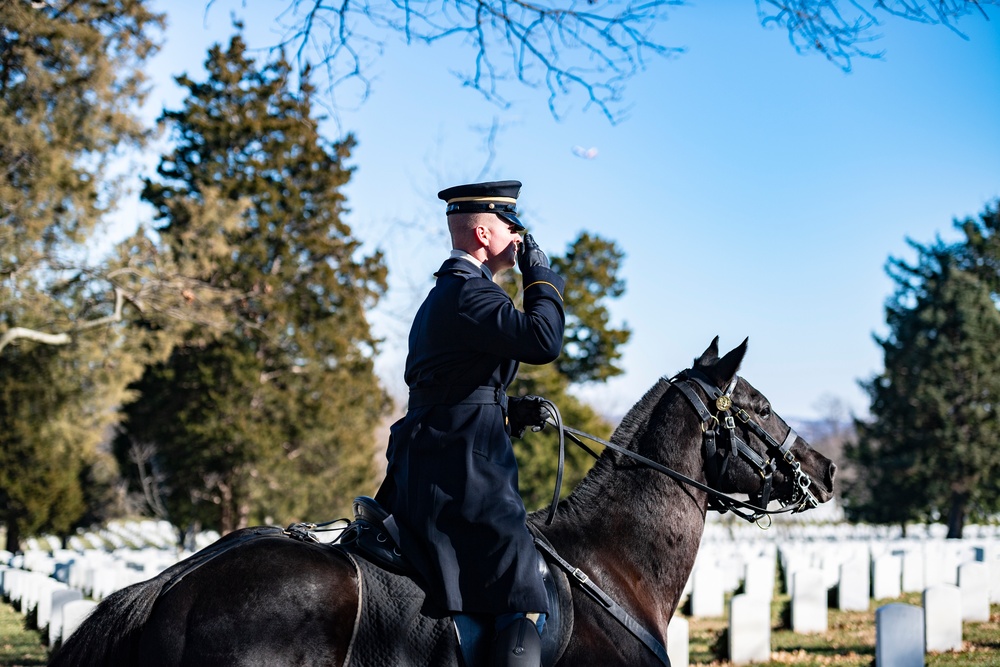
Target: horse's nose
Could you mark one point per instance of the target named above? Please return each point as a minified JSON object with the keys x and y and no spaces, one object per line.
{"x":831,"y":471}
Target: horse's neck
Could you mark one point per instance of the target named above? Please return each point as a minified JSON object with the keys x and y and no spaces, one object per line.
{"x":635,"y":530}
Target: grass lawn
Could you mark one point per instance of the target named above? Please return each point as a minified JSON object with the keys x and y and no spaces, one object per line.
{"x":849,"y":641}
{"x":19,"y":647}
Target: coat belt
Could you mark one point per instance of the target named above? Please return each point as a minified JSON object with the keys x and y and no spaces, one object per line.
{"x":422,"y":397}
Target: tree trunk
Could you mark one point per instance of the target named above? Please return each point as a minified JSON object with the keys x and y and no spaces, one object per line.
{"x":227,"y":519}
{"x":956,"y":515}
{"x":13,"y":536}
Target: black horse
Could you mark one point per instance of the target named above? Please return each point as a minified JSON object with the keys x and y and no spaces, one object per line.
{"x":633,"y":530}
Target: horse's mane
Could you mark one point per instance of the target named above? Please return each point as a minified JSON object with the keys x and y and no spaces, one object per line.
{"x":638,"y":416}
{"x":631,"y":427}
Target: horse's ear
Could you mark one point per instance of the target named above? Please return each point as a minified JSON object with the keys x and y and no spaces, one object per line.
{"x":729,"y":364}
{"x":709,"y":356}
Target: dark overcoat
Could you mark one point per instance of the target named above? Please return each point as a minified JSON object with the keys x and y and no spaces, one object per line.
{"x":451,"y":465}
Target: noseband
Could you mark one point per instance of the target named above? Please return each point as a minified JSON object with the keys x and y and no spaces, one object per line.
{"x":717,"y":460}
{"x":720,"y":428}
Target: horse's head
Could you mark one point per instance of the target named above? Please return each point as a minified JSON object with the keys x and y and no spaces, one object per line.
{"x":748,"y":447}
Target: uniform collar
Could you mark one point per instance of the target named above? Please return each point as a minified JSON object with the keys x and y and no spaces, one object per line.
{"x":461,"y":254}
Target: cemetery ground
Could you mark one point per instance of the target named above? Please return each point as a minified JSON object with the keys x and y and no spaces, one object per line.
{"x":19,"y":647}
{"x":849,"y":641}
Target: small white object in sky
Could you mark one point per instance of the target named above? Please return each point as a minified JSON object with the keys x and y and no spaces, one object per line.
{"x":585,"y":153}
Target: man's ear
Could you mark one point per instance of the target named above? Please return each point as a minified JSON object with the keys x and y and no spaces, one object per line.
{"x":483,"y":235}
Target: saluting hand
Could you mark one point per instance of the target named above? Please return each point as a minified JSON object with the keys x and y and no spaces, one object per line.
{"x":530,"y":255}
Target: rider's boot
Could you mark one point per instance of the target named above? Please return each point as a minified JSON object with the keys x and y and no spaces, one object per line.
{"x":518,"y":644}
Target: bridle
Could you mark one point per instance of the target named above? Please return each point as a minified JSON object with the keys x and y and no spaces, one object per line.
{"x":721,"y":428}
{"x":717,"y":429}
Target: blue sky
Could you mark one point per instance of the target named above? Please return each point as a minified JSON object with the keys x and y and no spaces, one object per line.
{"x":755,"y":192}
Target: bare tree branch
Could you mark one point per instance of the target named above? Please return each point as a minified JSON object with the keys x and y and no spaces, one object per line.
{"x":143,"y":455}
{"x":570,"y":48}
{"x":821,"y":25}
{"x":147,"y":281}
{"x":16,"y":333}
{"x":575,"y":47}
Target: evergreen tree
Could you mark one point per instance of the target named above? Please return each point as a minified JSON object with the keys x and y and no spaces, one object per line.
{"x":70,"y":81}
{"x":930,"y":450}
{"x":591,"y":346}
{"x":979,"y":253}
{"x":274,"y":420}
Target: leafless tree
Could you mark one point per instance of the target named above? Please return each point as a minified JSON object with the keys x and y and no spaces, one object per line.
{"x":566,"y":47}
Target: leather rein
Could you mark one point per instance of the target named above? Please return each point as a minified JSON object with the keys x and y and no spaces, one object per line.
{"x":716,"y":428}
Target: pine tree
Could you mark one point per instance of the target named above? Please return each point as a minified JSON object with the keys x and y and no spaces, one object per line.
{"x":274,"y":420}
{"x":930,"y":450}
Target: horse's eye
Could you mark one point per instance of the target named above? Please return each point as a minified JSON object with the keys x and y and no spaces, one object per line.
{"x":765,"y":412}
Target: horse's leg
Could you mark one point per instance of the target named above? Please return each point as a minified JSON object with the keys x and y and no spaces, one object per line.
{"x":272,"y":602}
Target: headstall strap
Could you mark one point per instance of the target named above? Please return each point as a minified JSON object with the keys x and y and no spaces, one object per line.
{"x":717,"y":458}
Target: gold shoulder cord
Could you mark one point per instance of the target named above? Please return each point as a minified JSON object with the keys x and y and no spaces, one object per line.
{"x":543,"y":282}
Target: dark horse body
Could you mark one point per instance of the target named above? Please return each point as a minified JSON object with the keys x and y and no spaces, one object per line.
{"x":634,"y":531}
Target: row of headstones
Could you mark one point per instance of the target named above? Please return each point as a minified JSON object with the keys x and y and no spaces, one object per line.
{"x":59,"y":609}
{"x":850,"y":569}
{"x":897,"y":625}
{"x":898,"y":565}
{"x":123,"y":534}
{"x":97,"y":573}
{"x":63,"y":585}
{"x":947,"y":605}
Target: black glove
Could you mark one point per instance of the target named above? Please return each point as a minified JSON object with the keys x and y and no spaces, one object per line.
{"x":525,"y":411}
{"x":529,"y":254}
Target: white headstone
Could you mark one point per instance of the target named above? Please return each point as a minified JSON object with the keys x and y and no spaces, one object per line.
{"x":994,"y":565}
{"x":943,"y":618}
{"x":809,"y":601}
{"x":707,"y":595}
{"x":59,"y":600}
{"x":853,"y":593}
{"x":44,"y":607}
{"x":75,"y":613}
{"x":749,"y":629}
{"x":973,"y":581}
{"x":913,"y":571}
{"x":935,"y":571}
{"x":898,"y":641}
{"x":35,"y":586}
{"x":678,"y":649}
{"x":886,"y":577}
{"x":759,"y":577}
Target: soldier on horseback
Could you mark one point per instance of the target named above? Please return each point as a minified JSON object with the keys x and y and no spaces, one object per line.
{"x":451,"y":482}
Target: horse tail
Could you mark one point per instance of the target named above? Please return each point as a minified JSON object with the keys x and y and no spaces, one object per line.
{"x":109,"y":637}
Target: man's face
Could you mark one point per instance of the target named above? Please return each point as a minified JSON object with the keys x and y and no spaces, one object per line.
{"x":504,"y":242}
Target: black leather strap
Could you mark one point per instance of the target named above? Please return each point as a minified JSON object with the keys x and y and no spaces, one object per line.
{"x":579,"y":577}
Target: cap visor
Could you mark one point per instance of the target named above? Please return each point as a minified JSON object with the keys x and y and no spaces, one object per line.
{"x":512,"y":219}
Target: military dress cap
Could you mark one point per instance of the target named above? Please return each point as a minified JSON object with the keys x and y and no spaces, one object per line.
{"x":498,"y":197}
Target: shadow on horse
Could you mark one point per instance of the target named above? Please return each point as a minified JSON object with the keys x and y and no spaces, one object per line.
{"x":632,"y":526}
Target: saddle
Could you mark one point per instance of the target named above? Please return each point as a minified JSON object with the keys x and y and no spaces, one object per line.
{"x":385,"y":573}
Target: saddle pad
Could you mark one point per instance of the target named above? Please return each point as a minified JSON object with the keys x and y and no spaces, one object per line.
{"x":390,"y":630}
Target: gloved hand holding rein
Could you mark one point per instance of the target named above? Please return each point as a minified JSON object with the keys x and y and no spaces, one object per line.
{"x":525,"y":411}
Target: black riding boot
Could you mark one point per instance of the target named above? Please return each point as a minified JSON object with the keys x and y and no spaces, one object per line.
{"x":518,"y":645}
